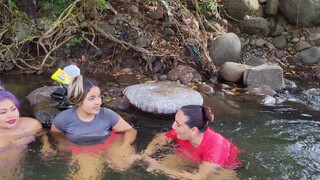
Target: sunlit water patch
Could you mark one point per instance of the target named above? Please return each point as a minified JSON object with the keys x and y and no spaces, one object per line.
{"x":310,"y":97}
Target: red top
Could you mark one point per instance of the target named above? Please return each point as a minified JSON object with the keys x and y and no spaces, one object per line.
{"x":94,"y":149}
{"x":213,"y":148}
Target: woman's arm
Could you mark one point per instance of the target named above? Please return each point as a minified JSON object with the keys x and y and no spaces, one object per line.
{"x":130,"y":133}
{"x":60,"y":137}
{"x":213,"y":171}
{"x":206,"y":171}
{"x":54,"y":129}
{"x":158,"y":141}
{"x":119,"y":153}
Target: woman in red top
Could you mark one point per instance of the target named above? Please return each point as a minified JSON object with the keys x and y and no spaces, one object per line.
{"x":195,"y":141}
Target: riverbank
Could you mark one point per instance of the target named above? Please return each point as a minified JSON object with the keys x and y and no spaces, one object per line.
{"x":159,"y":41}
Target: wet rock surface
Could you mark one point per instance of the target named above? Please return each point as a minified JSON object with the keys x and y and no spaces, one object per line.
{"x":44,"y":107}
{"x":161,"y":97}
{"x":266,"y":74}
{"x":185,"y":74}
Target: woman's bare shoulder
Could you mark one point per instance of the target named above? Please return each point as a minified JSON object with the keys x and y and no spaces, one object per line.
{"x":3,"y":142}
{"x":30,"y":124}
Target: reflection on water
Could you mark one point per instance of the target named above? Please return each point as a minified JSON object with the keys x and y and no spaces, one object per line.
{"x":11,"y":163}
{"x":278,"y":142}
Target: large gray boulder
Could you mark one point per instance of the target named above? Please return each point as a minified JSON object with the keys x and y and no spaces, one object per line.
{"x":44,"y":107}
{"x":239,"y":8}
{"x":162,"y":97}
{"x":41,"y":94}
{"x":305,"y":12}
{"x":266,"y":74}
{"x":226,"y":48}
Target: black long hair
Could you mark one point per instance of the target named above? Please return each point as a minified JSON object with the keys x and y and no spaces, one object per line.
{"x":198,"y":116}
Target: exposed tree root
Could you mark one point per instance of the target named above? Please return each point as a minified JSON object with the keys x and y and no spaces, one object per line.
{"x":64,"y":28}
{"x":204,"y":39}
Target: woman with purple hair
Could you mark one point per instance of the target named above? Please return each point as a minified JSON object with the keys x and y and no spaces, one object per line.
{"x":15,"y":133}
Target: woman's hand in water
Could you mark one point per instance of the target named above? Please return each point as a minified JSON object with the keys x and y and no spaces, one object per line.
{"x":139,"y":157}
{"x":135,"y":157}
{"x":47,"y":152}
{"x":120,"y":156}
{"x":152,"y":164}
{"x":126,"y":150}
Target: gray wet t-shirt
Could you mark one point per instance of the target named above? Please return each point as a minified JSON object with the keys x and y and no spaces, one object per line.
{"x":86,"y":133}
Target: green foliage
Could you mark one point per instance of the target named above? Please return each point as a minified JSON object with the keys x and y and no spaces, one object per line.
{"x":44,"y":23}
{"x":12,"y":5}
{"x":102,"y":4}
{"x":210,"y":6}
{"x":15,"y":15}
{"x":56,"y":6}
{"x":74,"y":40}
{"x":19,"y":16}
{"x":29,"y":38}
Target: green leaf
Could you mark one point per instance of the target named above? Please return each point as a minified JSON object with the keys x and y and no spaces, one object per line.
{"x":102,"y":4}
{"x":29,"y":38}
{"x":12,"y":5}
{"x":46,"y":5}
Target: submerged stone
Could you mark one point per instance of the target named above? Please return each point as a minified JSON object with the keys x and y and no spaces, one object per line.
{"x":162,"y":97}
{"x":43,"y":106}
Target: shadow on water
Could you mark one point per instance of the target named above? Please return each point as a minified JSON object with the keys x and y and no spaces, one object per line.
{"x":278,"y":142}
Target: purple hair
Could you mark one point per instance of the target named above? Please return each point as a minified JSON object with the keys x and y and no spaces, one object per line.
{"x":8,"y":95}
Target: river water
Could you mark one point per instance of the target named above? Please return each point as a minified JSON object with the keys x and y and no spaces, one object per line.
{"x":279,"y":141}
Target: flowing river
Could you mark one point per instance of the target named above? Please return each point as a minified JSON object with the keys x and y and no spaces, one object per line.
{"x":279,"y":141}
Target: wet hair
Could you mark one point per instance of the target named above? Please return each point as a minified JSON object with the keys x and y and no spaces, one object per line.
{"x":198,"y":116}
{"x":78,"y":89}
{"x":8,"y":95}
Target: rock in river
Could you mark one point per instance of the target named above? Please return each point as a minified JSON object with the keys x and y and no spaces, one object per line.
{"x":162,"y":97}
{"x":44,"y":107}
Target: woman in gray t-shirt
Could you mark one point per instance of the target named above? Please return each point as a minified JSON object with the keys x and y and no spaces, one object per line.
{"x":88,"y":124}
